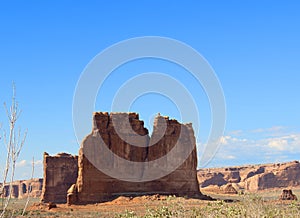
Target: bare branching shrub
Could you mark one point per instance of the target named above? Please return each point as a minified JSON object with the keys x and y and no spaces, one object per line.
{"x":13,"y":142}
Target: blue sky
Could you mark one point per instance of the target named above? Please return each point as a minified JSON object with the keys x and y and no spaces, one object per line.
{"x":253,"y":46}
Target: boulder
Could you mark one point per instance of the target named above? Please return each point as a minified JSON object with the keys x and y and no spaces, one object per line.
{"x":51,"y":205}
{"x":287,"y":194}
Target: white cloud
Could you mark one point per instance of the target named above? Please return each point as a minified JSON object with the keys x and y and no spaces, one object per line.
{"x":228,"y":157}
{"x":272,"y":129}
{"x":279,"y":144}
{"x":285,"y":143}
{"x":248,"y":148}
{"x":226,"y":140}
{"x":21,"y":163}
{"x":26,"y":163}
{"x":24,"y":169}
{"x":38,"y":163}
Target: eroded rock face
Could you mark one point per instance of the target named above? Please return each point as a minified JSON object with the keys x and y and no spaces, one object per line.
{"x":253,"y":178}
{"x":95,"y":186}
{"x":60,"y":172}
{"x":21,"y":188}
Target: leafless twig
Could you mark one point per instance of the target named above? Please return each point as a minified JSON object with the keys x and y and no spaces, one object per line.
{"x":14,"y":145}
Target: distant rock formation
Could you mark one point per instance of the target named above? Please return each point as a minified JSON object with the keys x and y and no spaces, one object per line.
{"x":287,"y":194}
{"x":21,"y":188}
{"x":252,"y":178}
{"x":93,"y":185}
{"x":229,"y":189}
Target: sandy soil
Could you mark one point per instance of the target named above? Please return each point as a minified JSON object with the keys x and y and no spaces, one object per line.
{"x":140,"y":205}
{"x":122,"y":204}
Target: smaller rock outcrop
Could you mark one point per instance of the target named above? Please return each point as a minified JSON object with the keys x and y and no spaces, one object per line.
{"x":229,"y":189}
{"x":60,"y":172}
{"x":287,"y":194}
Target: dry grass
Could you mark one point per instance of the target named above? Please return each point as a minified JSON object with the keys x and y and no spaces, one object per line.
{"x":248,"y":205}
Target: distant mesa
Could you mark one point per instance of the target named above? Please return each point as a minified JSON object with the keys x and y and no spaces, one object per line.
{"x":251,"y":178}
{"x":21,"y":188}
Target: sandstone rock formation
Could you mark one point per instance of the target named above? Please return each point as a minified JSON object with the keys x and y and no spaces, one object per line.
{"x":60,"y":172}
{"x":252,"y":178}
{"x":287,"y":194}
{"x":131,"y":142}
{"x":21,"y":188}
{"x":95,"y":186}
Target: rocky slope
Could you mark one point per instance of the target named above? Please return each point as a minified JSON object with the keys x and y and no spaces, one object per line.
{"x":251,"y":178}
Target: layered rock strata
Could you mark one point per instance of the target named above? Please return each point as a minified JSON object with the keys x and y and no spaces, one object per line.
{"x":93,"y":185}
{"x":252,"y":178}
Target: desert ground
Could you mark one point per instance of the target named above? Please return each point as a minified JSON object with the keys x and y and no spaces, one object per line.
{"x":261,"y":204}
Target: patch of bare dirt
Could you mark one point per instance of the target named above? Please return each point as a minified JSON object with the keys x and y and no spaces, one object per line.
{"x":121,"y":204}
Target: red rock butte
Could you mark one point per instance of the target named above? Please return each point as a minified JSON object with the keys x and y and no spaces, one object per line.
{"x":77,"y":180}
